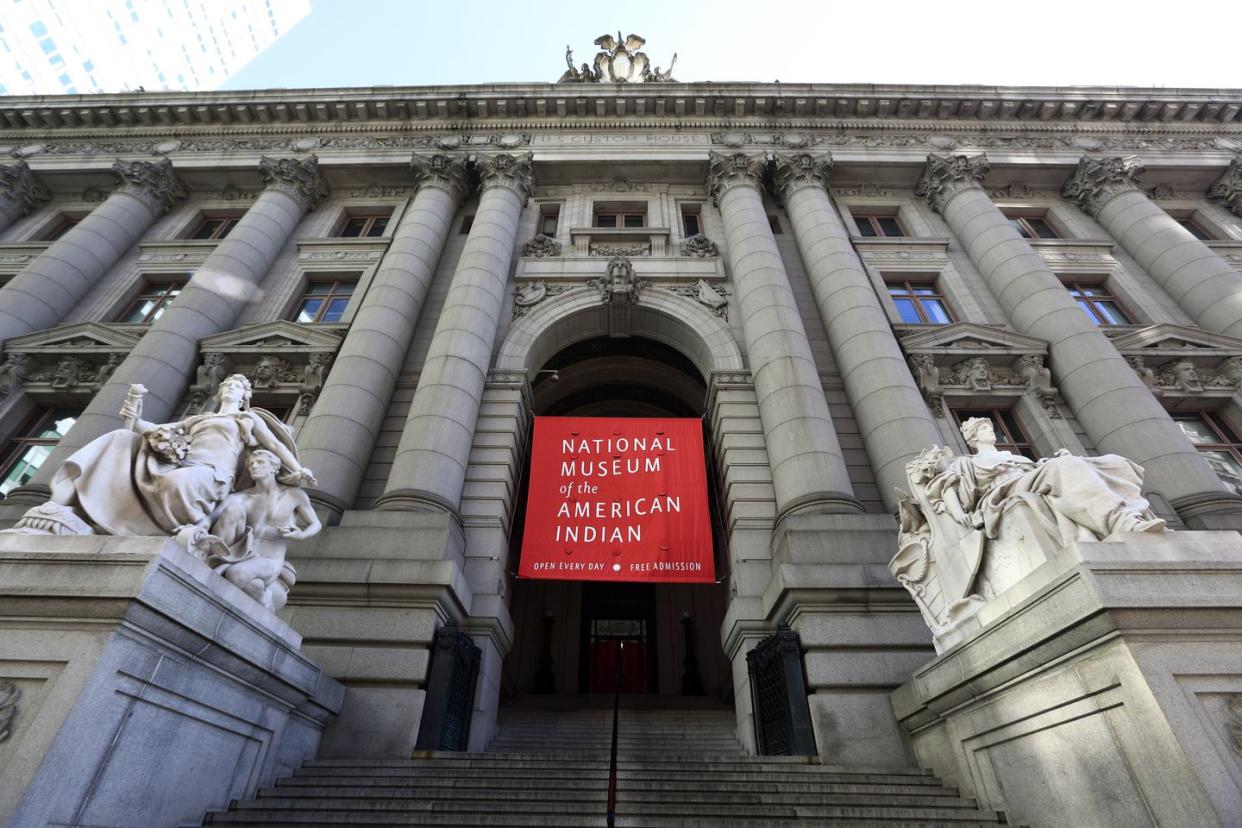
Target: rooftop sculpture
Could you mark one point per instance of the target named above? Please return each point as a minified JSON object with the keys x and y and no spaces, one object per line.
{"x":618,"y":61}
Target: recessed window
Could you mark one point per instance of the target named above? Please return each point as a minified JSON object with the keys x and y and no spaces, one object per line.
{"x":215,"y":227}
{"x":154,"y":299}
{"x":364,"y":226}
{"x":60,"y":226}
{"x":872,"y":225}
{"x":466,"y":223}
{"x":1216,"y":441}
{"x":1098,"y":303}
{"x":325,"y":301}
{"x":549,"y":219}
{"x":919,"y":302}
{"x":620,"y":215}
{"x":1009,"y":434}
{"x":25,"y":453}
{"x":691,"y":221}
{"x":1032,"y":226}
{"x":775,"y":224}
{"x":1195,"y":228}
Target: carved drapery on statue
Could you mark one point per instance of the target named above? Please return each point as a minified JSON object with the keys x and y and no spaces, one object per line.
{"x":972,"y":527}
{"x":225,"y":484}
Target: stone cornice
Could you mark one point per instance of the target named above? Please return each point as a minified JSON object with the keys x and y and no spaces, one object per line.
{"x":504,"y":170}
{"x":681,"y":100}
{"x":948,"y":175}
{"x":20,"y":191}
{"x":445,"y":172}
{"x":152,"y":182}
{"x":724,"y":172}
{"x":1228,"y":188}
{"x":1097,"y":181}
{"x":797,"y":170}
{"x":297,"y":178}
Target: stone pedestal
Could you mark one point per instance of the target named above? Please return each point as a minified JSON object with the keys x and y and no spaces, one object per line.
{"x":149,"y":689}
{"x":1103,"y":689}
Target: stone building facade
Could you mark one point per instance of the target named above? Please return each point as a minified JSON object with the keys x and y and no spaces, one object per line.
{"x":832,"y":276}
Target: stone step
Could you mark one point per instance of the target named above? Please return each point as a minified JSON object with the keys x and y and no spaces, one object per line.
{"x":484,"y":760}
{"x":758,"y":778}
{"x":374,"y":820}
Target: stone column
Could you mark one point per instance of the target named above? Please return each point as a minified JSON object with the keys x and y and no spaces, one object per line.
{"x":20,"y":191}
{"x":50,"y":286}
{"x":429,"y":469}
{"x":888,"y":405}
{"x":1200,"y":281}
{"x":338,"y":438}
{"x":167,"y":354}
{"x":1113,"y":405}
{"x":808,"y":470}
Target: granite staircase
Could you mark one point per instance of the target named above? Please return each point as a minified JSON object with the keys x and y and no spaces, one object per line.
{"x":549,"y":768}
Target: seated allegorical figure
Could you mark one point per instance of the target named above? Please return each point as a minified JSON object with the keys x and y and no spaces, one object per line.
{"x":972,"y":526}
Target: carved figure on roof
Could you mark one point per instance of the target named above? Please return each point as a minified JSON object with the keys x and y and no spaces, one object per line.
{"x":617,"y":61}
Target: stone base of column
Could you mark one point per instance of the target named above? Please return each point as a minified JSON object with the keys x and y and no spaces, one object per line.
{"x":1212,"y":510}
{"x":413,"y":500}
{"x":371,"y":594}
{"x":1121,"y":677}
{"x":144,"y":689}
{"x":861,"y":635}
{"x":21,"y":499}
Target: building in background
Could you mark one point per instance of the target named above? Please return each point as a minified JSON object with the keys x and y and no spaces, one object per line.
{"x":832,"y":277}
{"x":61,"y":47}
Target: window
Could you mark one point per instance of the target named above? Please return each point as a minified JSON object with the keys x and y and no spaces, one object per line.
{"x":1009,"y":434}
{"x":691,"y":225}
{"x":871,"y":225}
{"x":215,"y":227}
{"x":325,"y":301}
{"x":625,"y":215}
{"x":919,"y":303}
{"x":1099,"y":304}
{"x":549,"y":218}
{"x":775,"y":224}
{"x":368,"y":226}
{"x":155,"y":297}
{"x":1032,"y":226}
{"x":26,"y":453}
{"x":62,"y":225}
{"x":1195,"y":229}
{"x":1216,"y":442}
{"x":466,"y":223}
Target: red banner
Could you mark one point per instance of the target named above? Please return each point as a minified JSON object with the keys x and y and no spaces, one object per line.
{"x":617,"y":500}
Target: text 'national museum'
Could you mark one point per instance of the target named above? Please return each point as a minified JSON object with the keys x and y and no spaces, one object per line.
{"x":876,"y":449}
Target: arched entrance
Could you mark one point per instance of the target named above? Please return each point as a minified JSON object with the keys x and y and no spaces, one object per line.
{"x":565,"y":631}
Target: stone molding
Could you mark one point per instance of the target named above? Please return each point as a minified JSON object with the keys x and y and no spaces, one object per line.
{"x":946,"y":176}
{"x":297,"y":178}
{"x":699,"y":246}
{"x":152,"y":182}
{"x":445,"y":172}
{"x":69,"y":359}
{"x":515,"y":172}
{"x":1098,"y":181}
{"x":542,"y":246}
{"x":798,"y":170}
{"x":20,"y":191}
{"x":726,"y":171}
{"x":1228,"y":188}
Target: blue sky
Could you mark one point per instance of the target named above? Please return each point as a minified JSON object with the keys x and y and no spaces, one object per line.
{"x":1052,"y":42}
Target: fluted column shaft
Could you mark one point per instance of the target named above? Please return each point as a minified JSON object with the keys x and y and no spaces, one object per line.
{"x":50,"y":286}
{"x":429,"y":469}
{"x":808,"y":469}
{"x":1203,"y":283}
{"x":20,"y":191}
{"x":888,"y":406}
{"x":165,"y":357}
{"x":339,"y":435}
{"x":1113,"y":405}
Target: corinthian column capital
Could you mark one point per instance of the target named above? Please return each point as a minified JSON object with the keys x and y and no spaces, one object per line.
{"x":798,"y":170}
{"x":947,"y":175}
{"x":20,"y":191}
{"x":444,"y":172}
{"x":516,"y":172}
{"x":152,"y":182}
{"x":1228,"y":188}
{"x":724,"y":172}
{"x":299,"y":179}
{"x":1099,"y":180}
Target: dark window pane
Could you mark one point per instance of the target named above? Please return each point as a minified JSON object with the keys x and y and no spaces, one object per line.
{"x":549,"y":224}
{"x":864,"y":226}
{"x":319,"y":287}
{"x":309,"y":308}
{"x":353,"y":227}
{"x":690,"y":221}
{"x":466,"y":224}
{"x":378,"y":226}
{"x":909,"y":315}
{"x":344,"y":288}
{"x":1042,"y":228}
{"x":1020,"y":227}
{"x":890,"y":226}
{"x":1195,"y":230}
{"x":336,"y":309}
{"x":1110,"y":312}
{"x":206,"y":230}
{"x":141,"y":311}
{"x":605,"y":221}
{"x":634,"y":221}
